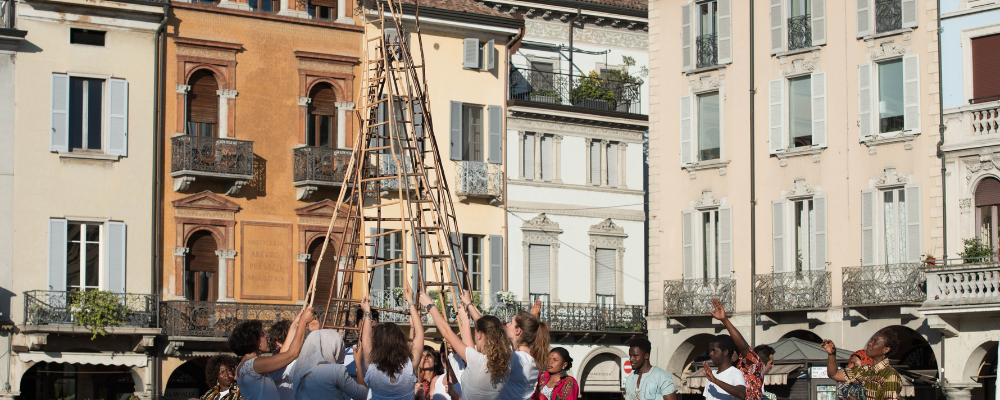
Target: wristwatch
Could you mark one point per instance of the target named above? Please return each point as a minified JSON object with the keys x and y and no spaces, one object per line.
{"x":428,"y":307}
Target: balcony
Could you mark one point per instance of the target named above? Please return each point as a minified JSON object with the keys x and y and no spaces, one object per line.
{"x":206,"y":319}
{"x":882,"y":285}
{"x":963,"y":286}
{"x":224,"y":159}
{"x":584,"y":94}
{"x":888,"y":15}
{"x":318,"y":166}
{"x":53,"y":311}
{"x":478,"y":179}
{"x":388,"y":166}
{"x":693,"y":297}
{"x":708,"y":50}
{"x":581,"y":317}
{"x":799,"y":32}
{"x":789,"y":291}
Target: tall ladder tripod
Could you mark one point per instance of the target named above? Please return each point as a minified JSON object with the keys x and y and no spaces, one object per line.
{"x":394,"y":184}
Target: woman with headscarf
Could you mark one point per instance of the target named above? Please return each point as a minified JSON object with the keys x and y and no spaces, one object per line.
{"x":320,"y":372}
{"x":849,"y":390}
{"x":554,"y":383}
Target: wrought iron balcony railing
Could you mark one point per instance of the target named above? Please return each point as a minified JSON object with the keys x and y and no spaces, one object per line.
{"x":46,"y":307}
{"x":888,"y":15}
{"x":688,"y":297}
{"x":792,"y":291}
{"x":963,"y":284}
{"x":586,"y":92}
{"x":581,"y":317}
{"x":210,"y":157}
{"x":388,"y":166}
{"x":708,"y":50}
{"x":216,"y":319}
{"x":799,"y":32}
{"x":883,"y":285}
{"x":320,"y":165}
{"x":479,"y":179}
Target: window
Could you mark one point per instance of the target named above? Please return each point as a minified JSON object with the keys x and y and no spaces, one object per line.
{"x":83,"y":256}
{"x":538,"y":272}
{"x":890,"y":96}
{"x":799,"y":121}
{"x":800,"y":111}
{"x":87,"y":37}
{"x":985,"y":69}
{"x":86,"y":255}
{"x":321,"y":125}
{"x":203,"y":105}
{"x":88,"y":115}
{"x":201,"y":267}
{"x":472,"y":255}
{"x":707,"y":242}
{"x":529,"y":156}
{"x":709,"y":143}
{"x":85,"y":113}
{"x":545,"y":152}
{"x":392,"y":249}
{"x":612,"y":164}
{"x":469,"y":133}
{"x":542,"y":81}
{"x":798,"y":229}
{"x":799,"y":24}
{"x":890,"y":224}
{"x":323,"y":9}
{"x":595,"y":162}
{"x":707,"y":34}
{"x":805,"y":243}
{"x":888,"y":15}
{"x":894,"y":225}
{"x":987,"y":201}
{"x":605,"y":277}
{"x":476,"y":55}
{"x":265,"y":5}
{"x":472,"y":132}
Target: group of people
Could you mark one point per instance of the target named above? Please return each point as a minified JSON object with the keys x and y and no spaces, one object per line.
{"x":505,"y":361}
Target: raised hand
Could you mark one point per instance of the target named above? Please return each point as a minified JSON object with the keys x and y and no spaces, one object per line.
{"x":425,"y":299}
{"x":708,"y":372}
{"x":366,"y":304}
{"x":828,"y":345}
{"x":466,"y":297}
{"x":407,"y":293}
{"x":314,"y":325}
{"x":306,"y":316}
{"x":536,"y":309}
{"x":717,"y":311}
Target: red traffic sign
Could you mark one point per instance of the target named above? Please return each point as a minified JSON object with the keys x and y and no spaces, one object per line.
{"x":627,"y":366}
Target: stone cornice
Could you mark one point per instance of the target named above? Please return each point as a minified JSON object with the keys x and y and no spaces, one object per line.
{"x":532,"y":125}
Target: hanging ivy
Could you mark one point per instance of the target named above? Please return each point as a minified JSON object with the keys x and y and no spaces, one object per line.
{"x":97,"y":310}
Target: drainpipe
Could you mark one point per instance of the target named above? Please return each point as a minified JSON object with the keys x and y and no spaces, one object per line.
{"x":157,"y":135}
{"x":940,"y":143}
{"x":753,"y":193}
{"x":512,"y":46}
{"x":572,"y":25}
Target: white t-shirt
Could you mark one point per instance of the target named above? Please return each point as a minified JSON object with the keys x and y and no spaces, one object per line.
{"x":477,"y":381}
{"x":523,"y":376}
{"x":284,"y":383}
{"x":732,"y":375}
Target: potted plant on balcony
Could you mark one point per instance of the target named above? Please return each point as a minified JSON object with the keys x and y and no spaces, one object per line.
{"x":592,"y":92}
{"x":546,"y":96}
{"x":929,"y":259}
{"x":976,"y":251}
{"x":97,"y":310}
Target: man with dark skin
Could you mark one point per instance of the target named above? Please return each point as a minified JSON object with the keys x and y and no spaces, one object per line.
{"x":721,"y":350}
{"x":753,"y":363}
{"x":646,"y":382}
{"x":881,"y":382}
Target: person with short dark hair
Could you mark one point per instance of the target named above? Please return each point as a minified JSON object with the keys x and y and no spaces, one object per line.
{"x":555,"y":383}
{"x":219,"y":376}
{"x":278,"y":340}
{"x":646,"y":382}
{"x":725,"y":382}
{"x":754,"y":364}
{"x":880,"y":381}
{"x":256,"y":374}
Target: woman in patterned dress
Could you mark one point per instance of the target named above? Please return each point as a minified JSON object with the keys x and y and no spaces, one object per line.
{"x":879,"y":380}
{"x":221,"y":378}
{"x":554,"y":383}
{"x":853,"y":391}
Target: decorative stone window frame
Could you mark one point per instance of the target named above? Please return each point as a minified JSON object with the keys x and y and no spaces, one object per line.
{"x":967,"y":36}
{"x":541,"y":230}
{"x":977,"y":168}
{"x":220,"y":59}
{"x":707,"y":202}
{"x":797,"y":68}
{"x":799,"y":191}
{"x":537,"y":153}
{"x":607,"y":235}
{"x":205,"y":211}
{"x":605,"y":145}
{"x":886,"y":50}
{"x":338,"y":72}
{"x":705,"y":84}
{"x":313,"y":222}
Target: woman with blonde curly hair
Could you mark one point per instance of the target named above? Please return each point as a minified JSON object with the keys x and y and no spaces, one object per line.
{"x":487,"y":359}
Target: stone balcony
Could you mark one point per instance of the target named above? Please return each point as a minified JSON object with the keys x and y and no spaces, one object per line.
{"x":315,"y":167}
{"x":478,"y":179}
{"x":969,"y":287}
{"x":223,"y":159}
{"x":972,"y":125}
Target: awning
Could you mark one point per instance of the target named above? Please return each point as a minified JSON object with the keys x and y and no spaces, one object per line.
{"x":777,"y":376}
{"x":127,"y":360}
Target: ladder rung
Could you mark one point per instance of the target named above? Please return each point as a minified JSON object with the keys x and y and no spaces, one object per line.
{"x":435,"y":256}
{"x":440,"y":284}
{"x":398,"y":260}
{"x":384,"y":233}
{"x":394,"y":202}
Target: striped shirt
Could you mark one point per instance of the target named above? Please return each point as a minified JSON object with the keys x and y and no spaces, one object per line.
{"x":881,"y":382}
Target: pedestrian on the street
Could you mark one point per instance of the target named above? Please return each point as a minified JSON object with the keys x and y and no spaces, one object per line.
{"x":646,"y":382}
{"x":726,"y":382}
{"x":555,"y":383}
{"x":221,"y":378}
{"x":754,"y":364}
{"x":847,"y":390}
{"x":881,"y":382}
{"x":256,"y":374}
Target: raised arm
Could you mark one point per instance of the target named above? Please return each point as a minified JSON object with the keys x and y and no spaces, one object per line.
{"x":465,"y":328}
{"x":469,"y":306}
{"x":366,"y":333}
{"x":416,"y":330}
{"x":442,"y":325}
{"x":718,"y":312}
{"x":266,"y":365}
{"x":737,"y":391}
{"x":291,"y":334}
{"x":831,"y":362}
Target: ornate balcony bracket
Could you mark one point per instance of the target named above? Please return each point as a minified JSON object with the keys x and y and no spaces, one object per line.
{"x":173,"y":348}
{"x":304,"y":192}
{"x":939,"y":324}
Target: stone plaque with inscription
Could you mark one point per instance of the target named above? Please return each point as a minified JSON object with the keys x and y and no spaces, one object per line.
{"x":266,"y":261}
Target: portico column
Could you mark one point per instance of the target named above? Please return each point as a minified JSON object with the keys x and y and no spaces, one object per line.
{"x":224,"y":257}
{"x":604,"y":163}
{"x":342,"y":108}
{"x":557,"y":159}
{"x":180,"y":253}
{"x":224,"y":96}
{"x":343,"y":16}
{"x":538,"y":157}
{"x":587,"y":143}
{"x":621,"y":165}
{"x":520,"y":155}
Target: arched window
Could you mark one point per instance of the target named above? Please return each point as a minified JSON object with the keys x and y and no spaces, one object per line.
{"x":201,"y":264}
{"x":321,"y":126}
{"x":202,"y":104}
{"x":325,"y":281}
{"x":987,"y":200}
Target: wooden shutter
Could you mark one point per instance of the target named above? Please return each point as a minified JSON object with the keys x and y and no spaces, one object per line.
{"x":538,"y":269}
{"x":324,"y":282}
{"x":595,"y":162}
{"x":117,"y":240}
{"x":118,"y":117}
{"x":818,"y":80}
{"x":378,"y":278}
{"x":324,"y":101}
{"x":470,"y":53}
{"x":777,"y":26}
{"x":324,"y":3}
{"x":456,"y":130}
{"x":725,"y":32}
{"x":496,"y":265}
{"x":496,"y":134}
{"x":687,"y":40}
{"x":546,"y":153}
{"x":914,"y":231}
{"x":820,"y":231}
{"x":909,"y":10}
{"x":864,"y":102}
{"x":59,"y":118}
{"x":202,"y":257}
{"x":687,"y":243}
{"x":911,"y":94}
{"x":864,"y":18}
{"x":868,"y":240}
{"x":818,"y":27}
{"x":613,"y":164}
{"x":203,"y":101}
{"x":529,"y":156}
{"x":988,"y":192}
{"x":775,"y":92}
{"x":687,"y":131}
{"x":778,"y":235}
{"x":57,"y":254}
{"x":605,"y":274}
{"x":491,"y":58}
{"x":725,"y":241}
{"x":986,"y":68}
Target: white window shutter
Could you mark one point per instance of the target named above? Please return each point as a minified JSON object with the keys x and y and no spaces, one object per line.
{"x":57,"y":255}
{"x":118,"y":117}
{"x":725,"y":241}
{"x":777,"y":26}
{"x":456,"y":130}
{"x":868,"y":240}
{"x":687,"y":128}
{"x":864,"y":102}
{"x":456,"y":252}
{"x":819,"y":231}
{"x":496,"y":265}
{"x":911,"y":94}
{"x":604,"y":260}
{"x":496,"y":135}
{"x":538,"y":269}
{"x":778,"y":235}
{"x":546,"y":154}
{"x":725,"y":30}
{"x":818,"y":26}
{"x":819,"y":118}
{"x":378,"y":278}
{"x":775,"y":93}
{"x":529,"y":156}
{"x":686,"y":38}
{"x":595,"y":163}
{"x":491,"y":58}
{"x":613,"y":164}
{"x":470,"y":53}
{"x":117,"y":239}
{"x":687,"y":243}
{"x":914,"y":231}
{"x":59,"y":117}
{"x":909,"y":8}
{"x":864,"y":18}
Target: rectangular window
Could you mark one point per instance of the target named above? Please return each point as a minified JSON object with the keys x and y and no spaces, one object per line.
{"x":612,"y":171}
{"x":985,"y":69}
{"x":321,"y":131}
{"x":542,"y":79}
{"x":709,"y":142}
{"x":87,"y":36}
{"x":894,"y":225}
{"x":888,"y":15}
{"x":800,"y":111}
{"x":529,"y":156}
{"x":538,"y":272}
{"x":708,"y":38}
{"x":890,"y":96}
{"x":472,"y":132}
{"x":708,"y":14}
{"x":605,"y":276}
{"x":710,"y":244}
{"x":595,"y":162}
{"x":83,"y":256}
{"x":392,"y":249}
{"x":472,"y":254}
{"x":86,"y":105}
{"x":546,"y":157}
{"x":799,"y":24}
{"x":804,"y":235}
